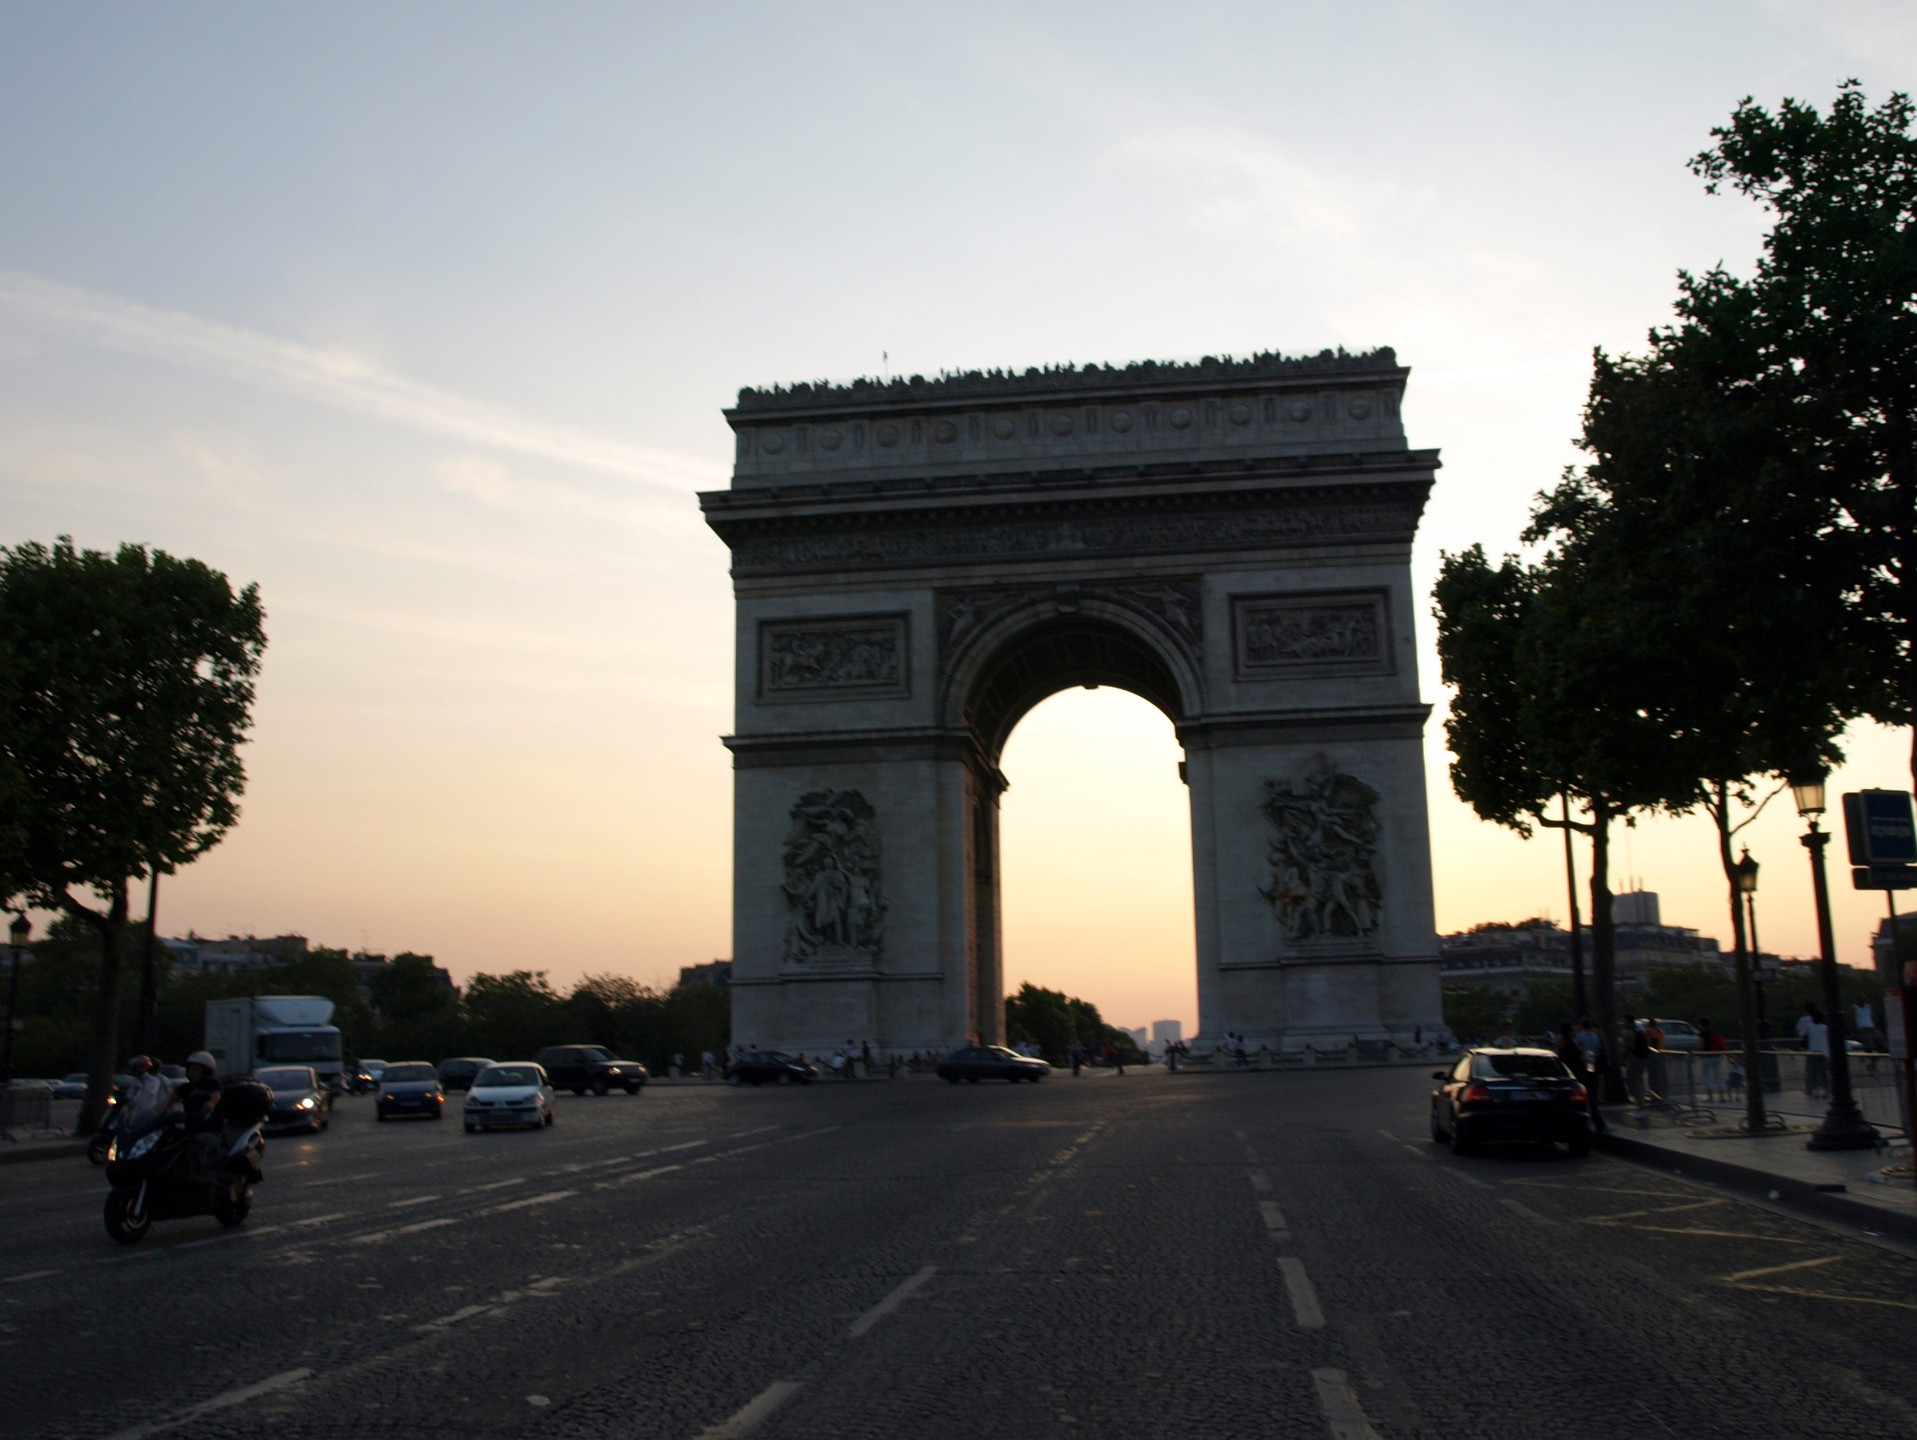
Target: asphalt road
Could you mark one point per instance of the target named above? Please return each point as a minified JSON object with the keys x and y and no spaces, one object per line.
{"x":1230,"y":1255}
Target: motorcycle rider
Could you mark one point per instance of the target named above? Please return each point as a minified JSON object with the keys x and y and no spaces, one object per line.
{"x":202,"y":1092}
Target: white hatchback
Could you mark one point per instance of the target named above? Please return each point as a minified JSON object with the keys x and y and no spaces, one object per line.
{"x":514,"y":1093}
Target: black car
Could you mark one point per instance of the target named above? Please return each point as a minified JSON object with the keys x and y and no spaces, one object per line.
{"x":758,"y":1067}
{"x":409,"y":1088}
{"x":300,"y":1100}
{"x":457,"y":1074}
{"x":1517,"y":1094}
{"x":580,"y":1068}
{"x":990,"y":1062}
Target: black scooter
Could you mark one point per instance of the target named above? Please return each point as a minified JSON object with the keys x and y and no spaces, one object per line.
{"x":102,"y":1142}
{"x":172,"y":1172}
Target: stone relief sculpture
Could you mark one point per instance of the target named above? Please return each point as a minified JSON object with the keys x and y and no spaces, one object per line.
{"x":1300,"y":635}
{"x":834,"y":657}
{"x":1324,"y":837}
{"x":833,"y":905}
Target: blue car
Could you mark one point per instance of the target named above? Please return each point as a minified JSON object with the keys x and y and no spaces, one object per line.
{"x":410,"y":1088}
{"x":300,"y":1100}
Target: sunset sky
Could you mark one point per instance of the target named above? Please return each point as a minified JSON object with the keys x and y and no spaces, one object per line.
{"x":423,"y":318}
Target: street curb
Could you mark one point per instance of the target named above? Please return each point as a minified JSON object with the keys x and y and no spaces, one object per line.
{"x":16,"y":1154}
{"x":1792,"y":1194}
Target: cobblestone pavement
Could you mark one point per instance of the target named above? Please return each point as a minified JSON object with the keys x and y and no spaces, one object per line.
{"x":1257,"y":1255}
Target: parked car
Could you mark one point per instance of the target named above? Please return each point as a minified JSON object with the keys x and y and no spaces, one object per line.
{"x":457,"y":1074}
{"x":301,"y":1100}
{"x":71,"y":1087}
{"x":760,"y":1067}
{"x":580,"y":1068}
{"x":409,"y":1088}
{"x":515,"y":1094}
{"x":974,"y":1063}
{"x":1509,"y":1095}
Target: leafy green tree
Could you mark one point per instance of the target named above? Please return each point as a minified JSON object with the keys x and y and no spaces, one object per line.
{"x":126,"y":691}
{"x":509,"y":1017}
{"x":1546,"y":1005}
{"x":1475,"y":1012}
{"x":1054,"y":1022}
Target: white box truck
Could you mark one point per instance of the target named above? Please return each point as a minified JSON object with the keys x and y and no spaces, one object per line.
{"x":256,"y":1030}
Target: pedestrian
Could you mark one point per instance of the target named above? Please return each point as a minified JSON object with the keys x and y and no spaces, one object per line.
{"x":1116,"y":1056}
{"x":1637,"y":1060}
{"x":1572,"y":1054}
{"x":1078,"y":1057}
{"x":1654,"y":1037}
{"x":1710,"y":1065}
{"x":1816,"y":1050}
{"x":851,"y":1057}
{"x":865,"y":1055}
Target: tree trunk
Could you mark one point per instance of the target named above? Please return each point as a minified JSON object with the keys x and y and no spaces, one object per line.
{"x":1580,"y":994}
{"x":102,"y":1058}
{"x":1604,"y":946}
{"x":149,"y":968}
{"x":1741,"y":953}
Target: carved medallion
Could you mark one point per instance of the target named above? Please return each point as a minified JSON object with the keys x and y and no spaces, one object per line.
{"x":1324,"y":841}
{"x":834,"y":909}
{"x":856,"y":657}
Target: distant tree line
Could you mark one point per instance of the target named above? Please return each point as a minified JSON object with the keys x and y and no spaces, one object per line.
{"x":1055,"y":1022}
{"x":407,"y":1011}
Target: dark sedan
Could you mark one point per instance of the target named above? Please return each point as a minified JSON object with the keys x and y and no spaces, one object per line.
{"x":410,"y":1088}
{"x":1514,"y":1094}
{"x":990,"y":1062}
{"x":457,"y":1074}
{"x":760,"y":1067}
{"x":300,"y":1099}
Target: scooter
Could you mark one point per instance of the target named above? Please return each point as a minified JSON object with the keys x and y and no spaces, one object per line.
{"x":102,"y":1140}
{"x":166,"y":1171}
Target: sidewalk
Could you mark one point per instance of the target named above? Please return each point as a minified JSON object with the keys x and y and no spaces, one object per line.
{"x":1873,"y":1189}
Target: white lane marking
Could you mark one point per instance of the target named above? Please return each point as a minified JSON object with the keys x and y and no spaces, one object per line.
{"x":742,"y":1134}
{"x":406,"y":1204}
{"x":1304,"y":1299}
{"x":753,"y":1413}
{"x":1520,"y":1208}
{"x":30,"y":1275}
{"x":1064,"y":1156}
{"x":646,"y":1174}
{"x":496,"y":1185}
{"x":1260,"y":1181}
{"x":1653,"y":1210}
{"x":1780,"y":1269}
{"x":445,"y":1322}
{"x":1087,"y":1137}
{"x":1828,"y":1295}
{"x":900,"y":1294}
{"x":245,"y":1393}
{"x":420,"y":1225}
{"x":1274,"y":1217}
{"x":546,"y":1199}
{"x":1343,"y":1414}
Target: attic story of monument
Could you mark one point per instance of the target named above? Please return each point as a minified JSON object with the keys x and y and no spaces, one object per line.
{"x":918,"y":563}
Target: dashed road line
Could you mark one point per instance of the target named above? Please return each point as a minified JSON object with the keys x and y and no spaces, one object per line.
{"x":1518,"y":1207}
{"x":1742,"y":1275}
{"x":1274,"y":1219}
{"x":281,"y":1381}
{"x":1343,"y":1414}
{"x":495,"y":1185}
{"x":548,"y":1198}
{"x":1260,"y":1181}
{"x":1304,"y":1299}
{"x":30,"y":1275}
{"x":416,"y":1200}
{"x":754,"y":1412}
{"x":900,"y":1294}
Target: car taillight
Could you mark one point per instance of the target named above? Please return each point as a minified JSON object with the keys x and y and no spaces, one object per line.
{"x":1475,"y":1095}
{"x":1580,"y":1096}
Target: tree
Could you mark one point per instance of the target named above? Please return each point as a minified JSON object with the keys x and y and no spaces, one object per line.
{"x":1475,"y":1012}
{"x":513,"y":1014}
{"x":1827,"y":327}
{"x":126,"y":691}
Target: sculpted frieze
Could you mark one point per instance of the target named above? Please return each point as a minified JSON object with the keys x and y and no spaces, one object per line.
{"x":1291,"y":635}
{"x":1322,"y":851}
{"x":834,"y":908}
{"x":1173,"y":605}
{"x":866,"y":654}
{"x":961,"y":540}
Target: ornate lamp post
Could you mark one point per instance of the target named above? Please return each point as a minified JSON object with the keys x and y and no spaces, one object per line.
{"x":1747,"y":886}
{"x":1844,"y":1126}
{"x":17,"y":933}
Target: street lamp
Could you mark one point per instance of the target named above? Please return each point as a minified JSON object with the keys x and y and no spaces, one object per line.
{"x":1844,"y":1126}
{"x":1747,"y":886}
{"x":17,"y":933}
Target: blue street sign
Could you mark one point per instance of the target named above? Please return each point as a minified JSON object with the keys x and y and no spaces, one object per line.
{"x":1877,"y":823}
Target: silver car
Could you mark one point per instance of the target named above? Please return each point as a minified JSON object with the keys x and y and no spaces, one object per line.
{"x":515,"y":1093}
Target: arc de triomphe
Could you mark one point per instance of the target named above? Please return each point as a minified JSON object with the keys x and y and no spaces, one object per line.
{"x":918,"y":563}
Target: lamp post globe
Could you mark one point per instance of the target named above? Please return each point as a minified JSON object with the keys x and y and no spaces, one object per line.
{"x":1844,"y":1126}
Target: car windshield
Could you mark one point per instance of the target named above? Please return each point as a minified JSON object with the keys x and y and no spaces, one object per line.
{"x":504,"y":1075}
{"x":408,"y":1072}
{"x":1516,"y":1066}
{"x":780,"y":1057}
{"x":286,"y":1079}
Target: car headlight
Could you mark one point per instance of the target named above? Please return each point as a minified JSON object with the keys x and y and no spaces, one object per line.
{"x":143,"y":1145}
{"x":309,"y":1103}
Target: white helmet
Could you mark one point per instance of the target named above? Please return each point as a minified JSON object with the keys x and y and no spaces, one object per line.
{"x":203,"y":1058}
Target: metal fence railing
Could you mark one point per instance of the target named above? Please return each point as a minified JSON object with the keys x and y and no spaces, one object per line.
{"x":25,"y":1109}
{"x":1688,"y":1086}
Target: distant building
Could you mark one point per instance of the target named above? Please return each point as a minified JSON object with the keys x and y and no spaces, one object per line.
{"x":235,"y":955}
{"x":715,"y":972}
{"x":1138,"y":1034}
{"x":1883,"y":951}
{"x":1166,"y":1032}
{"x":1507,"y":958}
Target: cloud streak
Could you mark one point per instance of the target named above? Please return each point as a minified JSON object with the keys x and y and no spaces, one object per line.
{"x":335,"y":378}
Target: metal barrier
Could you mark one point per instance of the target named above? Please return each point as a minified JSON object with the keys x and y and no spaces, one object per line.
{"x":25,"y":1108}
{"x":1693,"y":1087}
